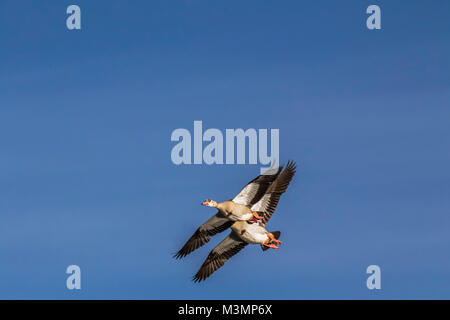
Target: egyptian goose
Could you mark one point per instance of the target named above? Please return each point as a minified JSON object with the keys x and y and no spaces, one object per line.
{"x":244,"y":232}
{"x":239,"y":208}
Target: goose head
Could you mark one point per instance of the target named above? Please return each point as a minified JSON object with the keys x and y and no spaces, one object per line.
{"x":209,"y":203}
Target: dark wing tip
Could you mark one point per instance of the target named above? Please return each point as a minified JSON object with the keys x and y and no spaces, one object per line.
{"x":197,"y":279}
{"x":291,"y":166}
{"x":230,"y":246}
{"x":179,"y":255}
{"x":198,"y":239}
{"x":202,"y":274}
{"x":279,"y":187}
{"x":207,"y":269}
{"x":290,"y":170}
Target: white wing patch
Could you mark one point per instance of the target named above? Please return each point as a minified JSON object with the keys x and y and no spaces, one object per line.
{"x":262,"y":204}
{"x":246,"y":194}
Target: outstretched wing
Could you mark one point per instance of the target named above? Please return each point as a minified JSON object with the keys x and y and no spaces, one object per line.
{"x":216,"y":224}
{"x":268,"y":203}
{"x":256,"y":188}
{"x":229,"y":246}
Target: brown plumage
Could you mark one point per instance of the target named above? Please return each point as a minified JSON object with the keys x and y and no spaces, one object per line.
{"x":219,"y":255}
{"x":276,"y":189}
{"x":216,"y":224}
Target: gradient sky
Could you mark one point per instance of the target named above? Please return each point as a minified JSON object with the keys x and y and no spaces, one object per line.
{"x":86,"y":117}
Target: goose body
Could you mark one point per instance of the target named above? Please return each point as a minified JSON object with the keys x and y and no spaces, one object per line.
{"x":253,"y":233}
{"x":235,"y":211}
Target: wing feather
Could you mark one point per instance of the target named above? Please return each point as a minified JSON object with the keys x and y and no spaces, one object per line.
{"x":256,"y":188}
{"x":269,"y":201}
{"x":230,"y":246}
{"x":216,"y":224}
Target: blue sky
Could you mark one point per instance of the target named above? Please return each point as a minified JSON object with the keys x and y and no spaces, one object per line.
{"x":85,"y":124}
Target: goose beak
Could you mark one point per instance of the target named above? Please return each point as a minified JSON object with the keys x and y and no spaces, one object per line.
{"x":205,"y":203}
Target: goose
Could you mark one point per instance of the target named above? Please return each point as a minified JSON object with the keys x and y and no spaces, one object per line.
{"x":244,"y":233}
{"x":239,"y":208}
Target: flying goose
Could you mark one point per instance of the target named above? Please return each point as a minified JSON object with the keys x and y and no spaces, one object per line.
{"x":239,"y":208}
{"x":243,"y":232}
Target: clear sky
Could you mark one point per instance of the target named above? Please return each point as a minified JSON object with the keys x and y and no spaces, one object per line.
{"x":86,"y":116}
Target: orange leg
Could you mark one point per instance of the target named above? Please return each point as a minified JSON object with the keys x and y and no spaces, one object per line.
{"x":272,"y":239}
{"x":256,"y":216}
{"x":273,"y":246}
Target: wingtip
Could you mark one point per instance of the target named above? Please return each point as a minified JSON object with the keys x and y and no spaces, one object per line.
{"x":291,"y":165}
{"x":178,"y":255}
